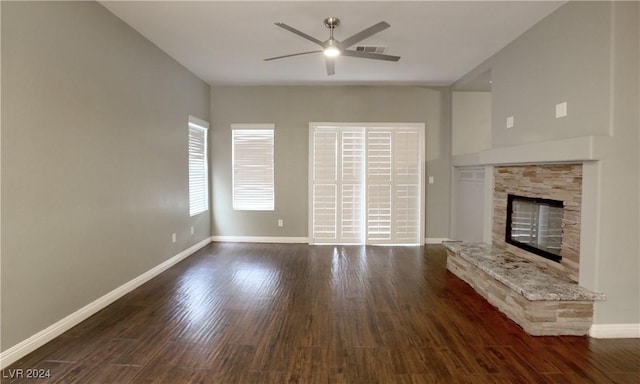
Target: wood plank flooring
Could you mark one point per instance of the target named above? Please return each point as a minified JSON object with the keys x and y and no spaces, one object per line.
{"x":293,"y":313}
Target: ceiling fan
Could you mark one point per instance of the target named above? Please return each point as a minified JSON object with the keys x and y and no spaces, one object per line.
{"x":332,"y":47}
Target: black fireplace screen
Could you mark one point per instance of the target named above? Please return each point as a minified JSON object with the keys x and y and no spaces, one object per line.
{"x":535,"y":225}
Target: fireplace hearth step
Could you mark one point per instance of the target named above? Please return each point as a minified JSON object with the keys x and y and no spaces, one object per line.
{"x":538,"y":299}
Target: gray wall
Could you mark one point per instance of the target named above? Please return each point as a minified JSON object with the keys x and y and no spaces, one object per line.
{"x":291,"y":109}
{"x":94,"y":159}
{"x":470,"y":122}
{"x":563,"y":58}
{"x":585,"y":53}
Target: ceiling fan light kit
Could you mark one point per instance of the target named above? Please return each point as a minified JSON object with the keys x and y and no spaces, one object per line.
{"x":331,"y":51}
{"x":332,"y":47}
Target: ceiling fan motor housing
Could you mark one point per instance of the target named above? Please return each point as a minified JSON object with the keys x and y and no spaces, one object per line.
{"x":331,"y":22}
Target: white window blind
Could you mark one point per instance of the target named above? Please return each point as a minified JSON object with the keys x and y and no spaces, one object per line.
{"x":366,"y":184}
{"x":253,"y":167}
{"x":198,"y":169}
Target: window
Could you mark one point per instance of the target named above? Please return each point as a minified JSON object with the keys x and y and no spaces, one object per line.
{"x":198,"y":170}
{"x":253,"y":167}
{"x":366,"y":184}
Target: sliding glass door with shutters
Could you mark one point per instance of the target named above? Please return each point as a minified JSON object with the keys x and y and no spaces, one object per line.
{"x":366,"y":183}
{"x":337,"y":178}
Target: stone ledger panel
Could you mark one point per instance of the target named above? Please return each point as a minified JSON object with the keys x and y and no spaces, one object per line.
{"x":555,"y":181}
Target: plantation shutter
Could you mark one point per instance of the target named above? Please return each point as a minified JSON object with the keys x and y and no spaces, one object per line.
{"x":337,"y":172}
{"x":198,"y":174}
{"x":351,"y":188}
{"x":325,"y":186}
{"x":406,"y":160}
{"x":366,"y":185}
{"x":253,"y":167}
{"x":379,"y":186}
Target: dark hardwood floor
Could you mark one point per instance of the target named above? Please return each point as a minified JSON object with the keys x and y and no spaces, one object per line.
{"x":276,"y":313}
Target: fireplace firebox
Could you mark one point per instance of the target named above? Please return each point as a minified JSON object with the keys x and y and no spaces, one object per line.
{"x":535,"y":225}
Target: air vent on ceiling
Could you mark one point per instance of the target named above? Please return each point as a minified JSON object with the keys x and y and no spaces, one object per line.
{"x":371,"y":48}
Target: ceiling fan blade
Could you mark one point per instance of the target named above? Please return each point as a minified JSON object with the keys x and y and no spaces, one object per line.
{"x":358,"y":37}
{"x":300,"y":33}
{"x":331,"y":65}
{"x":369,"y":55}
{"x":291,"y":55}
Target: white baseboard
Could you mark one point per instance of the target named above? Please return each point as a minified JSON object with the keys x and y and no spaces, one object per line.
{"x":435,"y":240}
{"x":615,"y":331}
{"x":301,"y":240}
{"x":260,"y":239}
{"x":34,"y":342}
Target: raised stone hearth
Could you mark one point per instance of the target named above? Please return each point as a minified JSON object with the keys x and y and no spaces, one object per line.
{"x":537,"y":298}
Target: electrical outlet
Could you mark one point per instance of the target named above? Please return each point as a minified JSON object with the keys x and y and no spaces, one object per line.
{"x":280,"y":223}
{"x":173,"y":237}
{"x":192,"y":229}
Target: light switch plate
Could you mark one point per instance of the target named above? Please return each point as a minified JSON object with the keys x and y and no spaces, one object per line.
{"x":561,"y":110}
{"x":510,"y":122}
{"x":431,"y":180}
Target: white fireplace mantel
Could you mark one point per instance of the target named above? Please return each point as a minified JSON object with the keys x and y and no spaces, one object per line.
{"x":578,"y":149}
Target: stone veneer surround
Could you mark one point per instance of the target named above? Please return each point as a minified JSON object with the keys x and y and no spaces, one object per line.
{"x":555,"y":181}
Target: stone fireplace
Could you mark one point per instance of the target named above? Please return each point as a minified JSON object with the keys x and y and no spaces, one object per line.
{"x":539,"y":293}
{"x":561,"y":182}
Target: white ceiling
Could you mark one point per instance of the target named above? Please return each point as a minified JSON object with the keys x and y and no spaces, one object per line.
{"x":225,"y":42}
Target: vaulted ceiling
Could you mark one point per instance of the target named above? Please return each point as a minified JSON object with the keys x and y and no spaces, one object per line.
{"x":225,"y":42}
